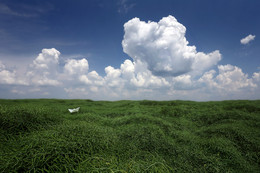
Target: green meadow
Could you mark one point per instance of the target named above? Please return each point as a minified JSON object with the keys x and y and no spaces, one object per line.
{"x":129,"y":136}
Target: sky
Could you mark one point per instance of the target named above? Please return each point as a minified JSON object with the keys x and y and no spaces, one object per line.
{"x":130,"y":49}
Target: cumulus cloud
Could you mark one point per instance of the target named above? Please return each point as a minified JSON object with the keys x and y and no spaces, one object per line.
{"x":48,"y":59}
{"x":74,"y":66}
{"x":183,"y":82}
{"x":113,"y":77}
{"x":204,"y":61}
{"x":247,"y":39}
{"x":229,"y":79}
{"x":230,"y":82}
{"x":92,"y":79}
{"x":44,"y":69}
{"x":136,"y":74}
{"x":9,"y":77}
{"x":232,"y":78}
{"x":256,"y":76}
{"x":164,"y":47}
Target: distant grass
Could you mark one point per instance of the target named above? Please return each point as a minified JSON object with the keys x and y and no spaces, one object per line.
{"x":129,"y":136}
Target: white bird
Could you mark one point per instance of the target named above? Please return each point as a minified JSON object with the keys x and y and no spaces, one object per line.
{"x":74,"y":110}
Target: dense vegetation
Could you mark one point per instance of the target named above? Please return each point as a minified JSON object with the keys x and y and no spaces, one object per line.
{"x":129,"y":136}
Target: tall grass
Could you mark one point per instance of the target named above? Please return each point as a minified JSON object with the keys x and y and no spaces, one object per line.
{"x":129,"y":136}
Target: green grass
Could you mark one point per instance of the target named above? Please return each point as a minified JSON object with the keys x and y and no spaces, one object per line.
{"x":129,"y":136}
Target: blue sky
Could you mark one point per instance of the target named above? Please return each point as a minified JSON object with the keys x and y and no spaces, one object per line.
{"x":95,"y":29}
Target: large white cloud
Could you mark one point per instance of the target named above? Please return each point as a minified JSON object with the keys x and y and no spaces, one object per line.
{"x":164,"y":47}
{"x":247,"y":39}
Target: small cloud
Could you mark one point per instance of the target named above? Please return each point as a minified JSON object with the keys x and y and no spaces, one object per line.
{"x":124,"y":6}
{"x":247,"y":39}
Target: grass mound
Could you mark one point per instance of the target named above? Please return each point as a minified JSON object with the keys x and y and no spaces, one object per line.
{"x":129,"y":136}
{"x":19,"y":119}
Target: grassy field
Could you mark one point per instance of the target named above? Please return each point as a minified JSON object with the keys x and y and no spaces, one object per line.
{"x":129,"y":136}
